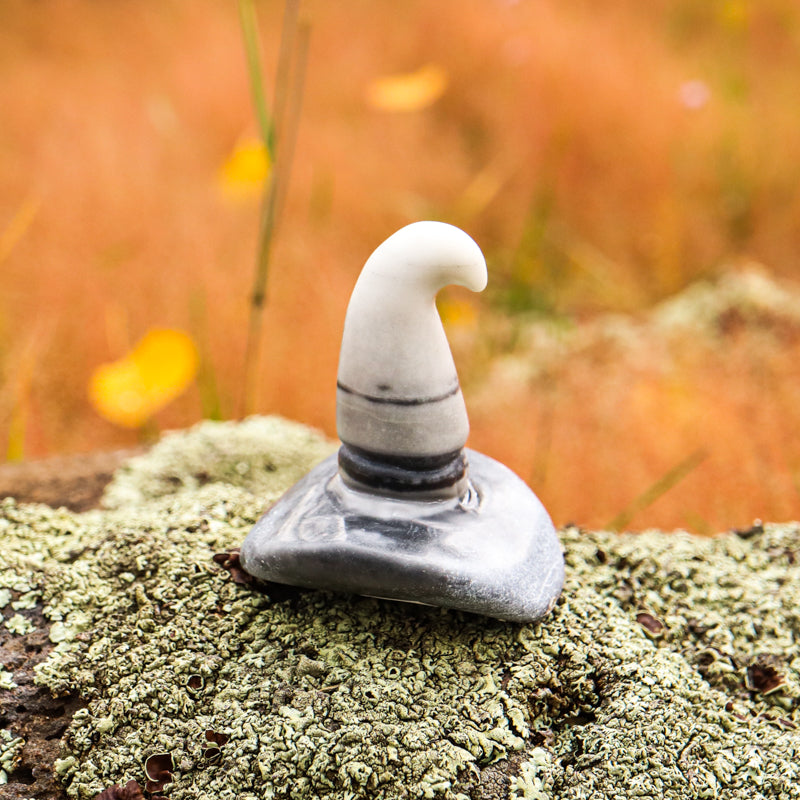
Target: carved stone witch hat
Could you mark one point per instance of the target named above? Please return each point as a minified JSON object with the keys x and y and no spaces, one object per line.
{"x":404,"y":511}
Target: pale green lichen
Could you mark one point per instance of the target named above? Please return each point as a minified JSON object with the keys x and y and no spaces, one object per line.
{"x":749,"y":298}
{"x":263,"y":454}
{"x":334,"y":697}
{"x":10,"y":750}
{"x":750,"y":294}
{"x":19,"y":624}
{"x":7,"y":679}
{"x":26,"y":601}
{"x":535,"y":778}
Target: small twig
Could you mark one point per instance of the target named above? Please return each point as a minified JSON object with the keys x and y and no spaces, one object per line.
{"x":291,"y":122}
{"x":18,"y":226}
{"x":206,"y":376}
{"x":544,"y":433}
{"x":660,"y":487}
{"x":284,"y":68}
{"x":279,"y":136}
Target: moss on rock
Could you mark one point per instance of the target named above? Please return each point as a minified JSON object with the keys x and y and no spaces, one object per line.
{"x":669,"y":668}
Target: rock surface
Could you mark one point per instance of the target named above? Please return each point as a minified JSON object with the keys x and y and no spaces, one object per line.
{"x":669,"y":668}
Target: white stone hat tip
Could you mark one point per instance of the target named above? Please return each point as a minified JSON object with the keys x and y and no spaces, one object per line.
{"x":398,"y":391}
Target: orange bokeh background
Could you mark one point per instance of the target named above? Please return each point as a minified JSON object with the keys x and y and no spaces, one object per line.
{"x":604,"y":159}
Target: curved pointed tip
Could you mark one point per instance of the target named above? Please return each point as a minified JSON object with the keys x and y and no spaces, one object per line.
{"x":435,"y":253}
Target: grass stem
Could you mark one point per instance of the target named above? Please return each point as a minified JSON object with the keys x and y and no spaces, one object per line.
{"x":660,"y":487}
{"x":252,"y":49}
{"x":279,"y":134}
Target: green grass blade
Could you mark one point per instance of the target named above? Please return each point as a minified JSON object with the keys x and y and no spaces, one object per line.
{"x":249,"y":23}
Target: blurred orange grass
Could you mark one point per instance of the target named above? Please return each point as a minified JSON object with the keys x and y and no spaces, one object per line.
{"x":604,"y":158}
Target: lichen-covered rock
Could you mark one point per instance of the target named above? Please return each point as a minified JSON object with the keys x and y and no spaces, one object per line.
{"x":265,"y":455}
{"x":669,"y":668}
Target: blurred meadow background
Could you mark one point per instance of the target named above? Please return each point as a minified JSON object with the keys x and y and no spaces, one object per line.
{"x":630,"y":169}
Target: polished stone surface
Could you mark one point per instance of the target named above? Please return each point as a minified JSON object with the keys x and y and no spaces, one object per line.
{"x":491,"y":551}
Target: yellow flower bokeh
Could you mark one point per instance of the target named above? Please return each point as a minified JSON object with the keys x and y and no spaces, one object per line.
{"x":245,"y":170}
{"x":130,"y":390}
{"x":411,"y":91}
{"x":456,"y":312}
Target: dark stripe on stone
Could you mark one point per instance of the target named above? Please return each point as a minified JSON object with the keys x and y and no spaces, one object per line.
{"x":402,"y":473}
{"x":399,"y":401}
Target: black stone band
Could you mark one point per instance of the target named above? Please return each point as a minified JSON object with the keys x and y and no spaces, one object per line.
{"x":402,"y":473}
{"x":399,"y":401}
